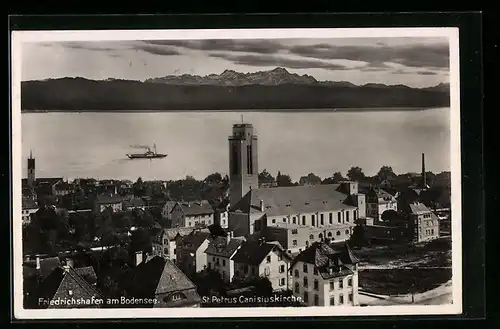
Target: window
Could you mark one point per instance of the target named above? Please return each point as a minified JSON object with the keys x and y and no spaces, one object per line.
{"x":305,"y":282}
{"x":330,"y":219}
{"x":341,"y":283}
{"x":176,"y":297}
{"x":235,"y":164}
{"x":350,"y":297}
{"x":332,"y":285}
{"x":316,"y":300}
{"x":347,"y":232}
{"x":295,"y":232}
{"x":303,"y":220}
{"x":349,"y":282}
{"x":347,"y":216}
{"x":297,"y":287}
{"x":329,"y":234}
{"x":284,"y":220}
{"x":249,"y":160}
{"x":311,"y":237}
{"x":306,"y":297}
{"x":282,"y":282}
{"x":316,"y":285}
{"x":315,"y":271}
{"x":280,"y":256}
{"x":341,"y":299}
{"x":339,"y":217}
{"x":223,"y":274}
{"x":223,"y":262}
{"x":322,"y":220}
{"x":294,"y":220}
{"x":268,"y":259}
{"x":355,"y":214}
{"x":273,"y":221}
{"x":297,"y":274}
{"x":165,"y":250}
{"x":175,"y":251}
{"x":332,"y":301}
{"x":282,"y":268}
{"x":338,"y":233}
{"x":294,"y":242}
{"x":304,"y":268}
{"x":313,"y":217}
{"x":267,"y":271}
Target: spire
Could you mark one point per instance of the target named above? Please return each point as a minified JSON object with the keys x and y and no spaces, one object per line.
{"x":424,"y":178}
{"x":31,"y":154}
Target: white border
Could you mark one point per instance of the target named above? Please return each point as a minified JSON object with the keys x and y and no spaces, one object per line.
{"x":18,"y":37}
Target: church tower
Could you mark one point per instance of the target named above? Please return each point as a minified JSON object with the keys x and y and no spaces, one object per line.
{"x":31,"y":170}
{"x":243,"y":169}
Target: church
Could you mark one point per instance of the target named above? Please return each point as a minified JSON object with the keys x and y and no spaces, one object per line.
{"x":295,"y":216}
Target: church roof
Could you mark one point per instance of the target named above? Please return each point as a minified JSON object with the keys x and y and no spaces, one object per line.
{"x":282,"y":201}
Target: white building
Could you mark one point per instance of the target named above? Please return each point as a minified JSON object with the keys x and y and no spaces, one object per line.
{"x":220,"y":253}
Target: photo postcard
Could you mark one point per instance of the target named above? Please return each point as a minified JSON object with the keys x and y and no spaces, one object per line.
{"x":236,"y":173}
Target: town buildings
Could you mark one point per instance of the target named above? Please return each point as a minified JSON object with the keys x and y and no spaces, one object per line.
{"x":190,"y":254}
{"x":164,"y":243}
{"x":424,"y":222}
{"x":323,"y":275}
{"x":192,"y":214}
{"x":109,"y":201}
{"x":379,"y":201}
{"x":29,"y":207}
{"x":256,"y":259}
{"x":220,"y":253}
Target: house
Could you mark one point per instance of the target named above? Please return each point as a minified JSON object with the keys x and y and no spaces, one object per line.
{"x":66,"y":287}
{"x":424,"y":222}
{"x":221,"y":214}
{"x":192,"y":214}
{"x":263,"y":259}
{"x":162,"y":282}
{"x":62,"y":188}
{"x":167,"y":209}
{"x":220,"y":253}
{"x":133,"y":203}
{"x":108,"y":201}
{"x":296,"y":216}
{"x":324,"y":275}
{"x":190,"y":255}
{"x":29,"y":207}
{"x":378,"y":201}
{"x":164,"y":243}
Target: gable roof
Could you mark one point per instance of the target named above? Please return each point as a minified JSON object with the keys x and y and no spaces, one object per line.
{"x":293,"y":199}
{"x":194,"y":239}
{"x":65,"y":282}
{"x":253,"y":252}
{"x":87,"y":273}
{"x":195,"y":208}
{"x":171,"y":233}
{"x":220,"y":247}
{"x":418,"y":208}
{"x":156,"y":276}
{"x":328,"y":261}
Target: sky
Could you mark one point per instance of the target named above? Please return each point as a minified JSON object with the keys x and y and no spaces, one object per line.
{"x":412,"y":61}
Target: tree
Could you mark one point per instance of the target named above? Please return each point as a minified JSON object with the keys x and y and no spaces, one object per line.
{"x":384,"y":173}
{"x":266,"y":178}
{"x":213,"y":179}
{"x":310,"y":179}
{"x":334,"y":179}
{"x":138,"y":188}
{"x":283,"y":180}
{"x":355,"y":174}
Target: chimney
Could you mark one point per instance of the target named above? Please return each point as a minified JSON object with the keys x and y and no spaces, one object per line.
{"x":424,"y":178}
{"x":37,"y":263}
{"x":262,"y":205}
{"x":229,"y":235}
{"x":66,"y":268}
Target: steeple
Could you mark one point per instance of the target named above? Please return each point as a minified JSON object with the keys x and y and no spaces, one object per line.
{"x":31,"y":170}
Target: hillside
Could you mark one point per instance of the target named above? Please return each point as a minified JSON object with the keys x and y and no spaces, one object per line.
{"x":276,"y":89}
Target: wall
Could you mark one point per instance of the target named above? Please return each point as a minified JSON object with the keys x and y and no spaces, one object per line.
{"x":239,"y":223}
{"x":192,"y":221}
{"x":201,"y":256}
{"x":225,"y":267}
{"x":177,"y":216}
{"x":426,"y":227}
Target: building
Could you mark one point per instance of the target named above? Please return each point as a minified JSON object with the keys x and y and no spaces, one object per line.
{"x":161,"y":281}
{"x":132,"y":203}
{"x":62,"y":188}
{"x":164,"y":244}
{"x":243,"y":164}
{"x":190,"y":254}
{"x":424,"y":222}
{"x":296,"y":216}
{"x":256,"y":259}
{"x":41,"y":186}
{"x":220,"y":253}
{"x":379,"y":201}
{"x":221,"y":215}
{"x":167,"y":209}
{"x":29,"y":207}
{"x":108,"y":201}
{"x":67,"y":288}
{"x":192,"y":214}
{"x":324,"y":276}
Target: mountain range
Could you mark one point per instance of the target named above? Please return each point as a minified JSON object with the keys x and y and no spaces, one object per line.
{"x":273,"y":89}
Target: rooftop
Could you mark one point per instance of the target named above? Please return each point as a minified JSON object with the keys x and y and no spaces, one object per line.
{"x":254,"y":252}
{"x":196,"y":208}
{"x":220,"y":247}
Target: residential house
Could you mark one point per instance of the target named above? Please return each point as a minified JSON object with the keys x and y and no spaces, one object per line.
{"x":424,"y":222}
{"x":167,"y":209}
{"x":220,"y":253}
{"x":108,"y":201}
{"x":132,"y":203}
{"x":192,"y":214}
{"x":326,"y":275}
{"x":62,"y":188}
{"x":29,"y":207}
{"x":68,"y":288}
{"x":164,"y":243}
{"x":221,"y":215}
{"x":378,"y":201}
{"x":161,"y":280}
{"x":263,"y":259}
{"x":190,"y":255}
{"x":296,"y":216}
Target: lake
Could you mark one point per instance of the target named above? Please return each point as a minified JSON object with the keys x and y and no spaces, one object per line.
{"x":92,"y":144}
